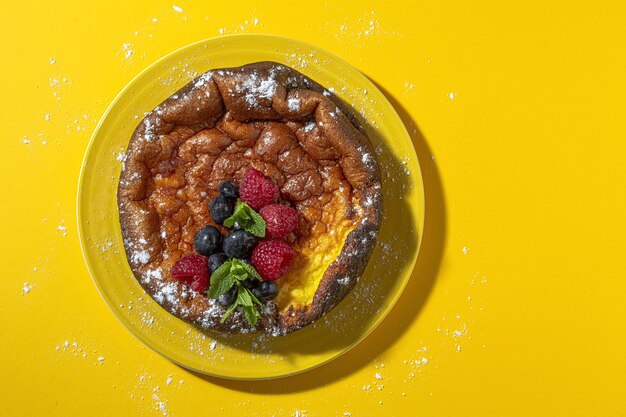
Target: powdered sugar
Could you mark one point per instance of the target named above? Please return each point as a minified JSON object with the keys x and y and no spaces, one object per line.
{"x":127,"y":50}
{"x":293,"y":104}
{"x":159,"y":405}
{"x":149,"y":134}
{"x":255,"y":87}
{"x":309,"y":126}
{"x":344,"y":280}
{"x":26,"y":288}
{"x":140,"y":257}
{"x":153,"y":274}
{"x":169,"y":292}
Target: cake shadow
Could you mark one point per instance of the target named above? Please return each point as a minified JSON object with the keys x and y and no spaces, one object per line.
{"x":398,"y":229}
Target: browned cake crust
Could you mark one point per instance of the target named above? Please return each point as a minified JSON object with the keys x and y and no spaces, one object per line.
{"x":264,"y":115}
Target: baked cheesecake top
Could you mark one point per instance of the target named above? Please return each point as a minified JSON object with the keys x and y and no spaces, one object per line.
{"x":275,"y":119}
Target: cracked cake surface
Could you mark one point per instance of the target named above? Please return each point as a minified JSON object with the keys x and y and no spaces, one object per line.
{"x":273,"y":118}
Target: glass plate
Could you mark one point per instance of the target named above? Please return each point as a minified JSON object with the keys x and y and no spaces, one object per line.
{"x":249,"y":356}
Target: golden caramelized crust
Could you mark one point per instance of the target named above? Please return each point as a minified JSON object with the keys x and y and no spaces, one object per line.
{"x":276,"y":119}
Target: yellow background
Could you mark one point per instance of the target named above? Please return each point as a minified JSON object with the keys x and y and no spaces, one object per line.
{"x":516,"y":306}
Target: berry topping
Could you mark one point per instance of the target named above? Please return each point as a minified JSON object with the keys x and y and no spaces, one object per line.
{"x":280,"y":220}
{"x":268,"y":290}
{"x":207,"y":240}
{"x":201,"y":283}
{"x":272,"y":258}
{"x":250,"y":283}
{"x":257,"y":190}
{"x":239,"y":243}
{"x":221,"y":208}
{"x":216,"y":260}
{"x":228,"y":189}
{"x":228,"y":297}
{"x":192,"y":270}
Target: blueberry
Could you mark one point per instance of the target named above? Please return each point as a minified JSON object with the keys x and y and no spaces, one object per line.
{"x":228,"y":297}
{"x":268,"y":290}
{"x":221,"y":208}
{"x":250,"y":283}
{"x":216,"y":260}
{"x":239,"y":243}
{"x":228,"y":189}
{"x":207,"y":240}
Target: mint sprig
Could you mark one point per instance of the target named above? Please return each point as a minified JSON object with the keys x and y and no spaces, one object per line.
{"x":221,"y":280}
{"x":234,"y":272}
{"x":245,"y":300}
{"x":247,"y":219}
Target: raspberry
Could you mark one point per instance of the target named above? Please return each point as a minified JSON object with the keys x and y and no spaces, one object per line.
{"x":280,"y":220}
{"x":272,"y":258}
{"x":257,"y":190}
{"x":192,"y":270}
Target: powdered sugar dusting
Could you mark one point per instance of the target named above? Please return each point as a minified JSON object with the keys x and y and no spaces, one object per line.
{"x":153,"y":274}
{"x":140,"y":257}
{"x":127,"y":50}
{"x":293,"y":104}
{"x":26,"y":288}
{"x":309,"y":126}
{"x":344,"y":280}
{"x":149,"y":134}
{"x":255,"y":87}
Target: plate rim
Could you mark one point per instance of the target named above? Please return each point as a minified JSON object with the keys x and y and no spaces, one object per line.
{"x":81,"y":178}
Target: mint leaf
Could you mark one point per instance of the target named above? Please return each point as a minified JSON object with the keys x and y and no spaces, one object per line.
{"x":239,"y":215}
{"x":237,"y":271}
{"x":230,"y":273}
{"x":247,"y":219}
{"x":250,"y":271}
{"x":254,"y":299}
{"x":252,"y":315}
{"x":245,"y":300}
{"x":221,"y":280}
{"x":258,"y":226}
{"x":229,"y":312}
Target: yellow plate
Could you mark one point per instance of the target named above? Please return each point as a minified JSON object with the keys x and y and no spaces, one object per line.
{"x":247,"y":356}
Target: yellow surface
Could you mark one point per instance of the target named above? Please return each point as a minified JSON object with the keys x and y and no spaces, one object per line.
{"x":251,"y":356}
{"x":521,"y":106}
